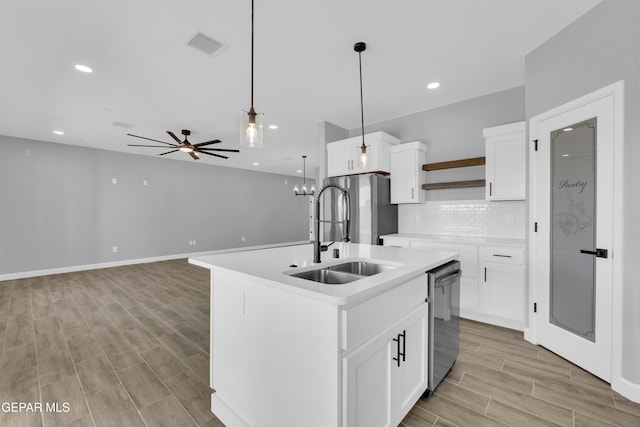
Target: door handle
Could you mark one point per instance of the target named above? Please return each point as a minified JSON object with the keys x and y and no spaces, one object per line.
{"x":600,"y":253}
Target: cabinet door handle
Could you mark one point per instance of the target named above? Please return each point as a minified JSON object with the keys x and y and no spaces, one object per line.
{"x":404,"y":344}
{"x":485,"y":274}
{"x":412,"y":192}
{"x":490,"y":188}
{"x":397,"y":359}
{"x":502,"y":256}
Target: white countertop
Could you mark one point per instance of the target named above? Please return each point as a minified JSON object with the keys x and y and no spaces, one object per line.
{"x":272,"y":266}
{"x":469,"y":240}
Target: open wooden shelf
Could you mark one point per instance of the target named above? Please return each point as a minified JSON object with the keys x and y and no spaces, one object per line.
{"x":474,"y":161}
{"x":454,"y":184}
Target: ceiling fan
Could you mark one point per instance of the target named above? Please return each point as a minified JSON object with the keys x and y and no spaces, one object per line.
{"x":185,"y":146}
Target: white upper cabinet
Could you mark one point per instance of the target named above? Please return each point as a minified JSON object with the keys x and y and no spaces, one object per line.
{"x":406,"y":162}
{"x":506,"y":162}
{"x":343,"y":156}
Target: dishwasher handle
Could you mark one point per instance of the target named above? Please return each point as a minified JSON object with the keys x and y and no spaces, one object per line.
{"x":446,"y":280}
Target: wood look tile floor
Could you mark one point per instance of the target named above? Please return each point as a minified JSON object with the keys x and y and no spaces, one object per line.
{"x":125,"y":346}
{"x":128,"y":346}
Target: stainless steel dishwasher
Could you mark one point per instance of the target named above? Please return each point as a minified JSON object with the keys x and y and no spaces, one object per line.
{"x":444,"y":321}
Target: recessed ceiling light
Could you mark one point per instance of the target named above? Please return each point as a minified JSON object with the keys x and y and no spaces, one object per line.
{"x":567,"y":129}
{"x":433,"y":85}
{"x":256,"y":164}
{"x":83,"y":68}
{"x":273,"y":126}
{"x":58,"y":132}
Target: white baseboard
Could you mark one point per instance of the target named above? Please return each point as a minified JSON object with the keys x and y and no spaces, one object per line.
{"x":628,"y":389}
{"x":492,"y":320}
{"x":224,"y":413}
{"x":120,"y":263}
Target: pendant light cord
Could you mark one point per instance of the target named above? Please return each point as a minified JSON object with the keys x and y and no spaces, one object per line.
{"x":252,"y":54}
{"x":361,"y":102}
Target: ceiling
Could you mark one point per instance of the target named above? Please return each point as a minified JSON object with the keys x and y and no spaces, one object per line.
{"x":305,"y":68}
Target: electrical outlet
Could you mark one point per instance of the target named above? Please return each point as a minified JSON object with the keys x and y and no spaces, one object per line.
{"x":144,"y":182}
{"x":242,"y":239}
{"x":114,"y":181}
{"x":194,"y":242}
{"x":115,"y":249}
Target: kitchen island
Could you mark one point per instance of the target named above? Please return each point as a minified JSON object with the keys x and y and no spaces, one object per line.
{"x":287,"y":351}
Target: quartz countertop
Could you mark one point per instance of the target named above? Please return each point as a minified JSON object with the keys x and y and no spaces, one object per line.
{"x":469,"y":240}
{"x":272,"y":267}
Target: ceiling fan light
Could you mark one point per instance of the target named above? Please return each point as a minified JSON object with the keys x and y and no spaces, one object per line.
{"x":186,"y":149}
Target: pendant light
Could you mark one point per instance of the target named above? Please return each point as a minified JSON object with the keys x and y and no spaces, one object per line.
{"x":251,"y":130}
{"x":304,"y":191}
{"x":363,"y":159}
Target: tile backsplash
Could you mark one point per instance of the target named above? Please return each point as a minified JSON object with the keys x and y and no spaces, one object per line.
{"x":478,"y":218}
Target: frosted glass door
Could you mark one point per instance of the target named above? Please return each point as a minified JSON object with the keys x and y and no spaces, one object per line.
{"x":573,"y":202}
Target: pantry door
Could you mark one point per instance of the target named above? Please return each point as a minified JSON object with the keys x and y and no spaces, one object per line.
{"x":572,"y":207}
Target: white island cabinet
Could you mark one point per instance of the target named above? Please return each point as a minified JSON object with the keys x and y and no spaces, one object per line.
{"x":286,"y":351}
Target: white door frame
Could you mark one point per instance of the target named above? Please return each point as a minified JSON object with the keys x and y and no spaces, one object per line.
{"x":615,"y":90}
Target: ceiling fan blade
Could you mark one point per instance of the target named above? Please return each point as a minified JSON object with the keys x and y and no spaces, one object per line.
{"x":194,"y":155}
{"x":200,"y":144}
{"x":157,"y":146}
{"x":211,"y":154}
{"x":173,"y":135}
{"x":149,"y":139}
{"x":172,"y":151}
{"x":230,"y":150}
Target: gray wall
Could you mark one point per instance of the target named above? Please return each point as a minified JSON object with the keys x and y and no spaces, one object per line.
{"x":454,"y":132}
{"x":59,"y":208}
{"x":598,"y":49}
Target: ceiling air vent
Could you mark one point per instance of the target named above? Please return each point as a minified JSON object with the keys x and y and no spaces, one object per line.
{"x":205,"y":43}
{"x":122,"y":125}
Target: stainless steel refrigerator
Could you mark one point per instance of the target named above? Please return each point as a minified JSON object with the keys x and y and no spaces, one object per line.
{"x":372,"y":214}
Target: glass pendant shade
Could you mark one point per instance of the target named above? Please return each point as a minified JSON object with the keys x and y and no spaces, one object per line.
{"x":363,"y":160}
{"x":252,"y":129}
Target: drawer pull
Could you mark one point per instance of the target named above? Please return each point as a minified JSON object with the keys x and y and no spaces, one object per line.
{"x":502,"y":256}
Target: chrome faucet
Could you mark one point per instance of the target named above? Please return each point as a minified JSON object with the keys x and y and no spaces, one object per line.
{"x":317,"y":246}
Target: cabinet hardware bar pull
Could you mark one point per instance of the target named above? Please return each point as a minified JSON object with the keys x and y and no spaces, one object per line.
{"x":490,"y":188}
{"x":485,"y":274}
{"x":397,"y":340}
{"x":503,"y":256}
{"x":404,"y":343}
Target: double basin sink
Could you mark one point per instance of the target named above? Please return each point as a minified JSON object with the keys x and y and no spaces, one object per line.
{"x":340,"y":274}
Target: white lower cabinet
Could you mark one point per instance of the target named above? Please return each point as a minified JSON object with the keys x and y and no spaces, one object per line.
{"x":384,"y":377}
{"x":492,"y":286}
{"x":503,"y":284}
